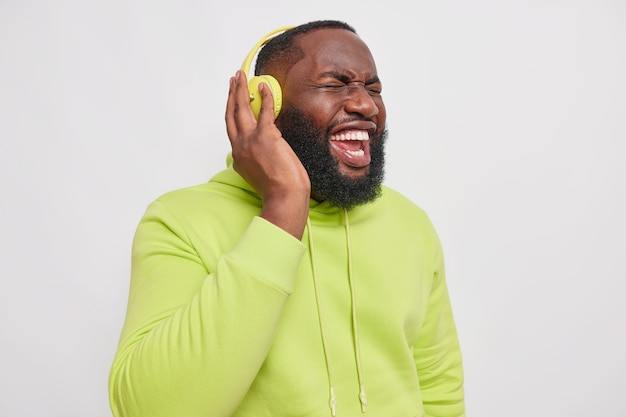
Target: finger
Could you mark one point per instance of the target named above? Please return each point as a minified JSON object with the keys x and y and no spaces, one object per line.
{"x":243,"y":112}
{"x":239,"y":117}
{"x":266,"y":115}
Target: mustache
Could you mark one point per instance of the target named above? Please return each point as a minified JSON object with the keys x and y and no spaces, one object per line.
{"x":349,"y":119}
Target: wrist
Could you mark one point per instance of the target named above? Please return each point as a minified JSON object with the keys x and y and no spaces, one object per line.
{"x":290,"y":214}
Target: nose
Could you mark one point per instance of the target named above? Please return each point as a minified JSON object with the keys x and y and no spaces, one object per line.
{"x":362,"y":101}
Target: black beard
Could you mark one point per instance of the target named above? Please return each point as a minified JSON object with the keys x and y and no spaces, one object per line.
{"x":328,"y":183}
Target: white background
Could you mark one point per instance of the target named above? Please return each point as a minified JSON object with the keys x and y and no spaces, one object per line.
{"x":507,"y":125}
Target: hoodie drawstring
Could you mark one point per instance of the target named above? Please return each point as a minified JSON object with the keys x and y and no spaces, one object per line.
{"x":357,"y":350}
{"x":355,"y":328}
{"x":332,"y":401}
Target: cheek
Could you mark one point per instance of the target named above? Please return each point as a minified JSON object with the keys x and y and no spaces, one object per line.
{"x":381,"y":117}
{"x":320,"y":112}
{"x":382,"y":110}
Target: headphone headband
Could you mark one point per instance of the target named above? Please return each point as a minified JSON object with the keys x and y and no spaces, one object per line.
{"x":254,"y":82}
{"x":245,"y":66}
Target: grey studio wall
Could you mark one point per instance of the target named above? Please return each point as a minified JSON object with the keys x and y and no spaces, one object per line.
{"x":506,"y":124}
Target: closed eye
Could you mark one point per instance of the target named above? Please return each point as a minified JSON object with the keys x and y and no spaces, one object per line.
{"x":376,"y":90}
{"x":333,"y":86}
{"x":338,"y":82}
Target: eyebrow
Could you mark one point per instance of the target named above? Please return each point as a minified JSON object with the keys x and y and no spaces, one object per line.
{"x":346,"y":79}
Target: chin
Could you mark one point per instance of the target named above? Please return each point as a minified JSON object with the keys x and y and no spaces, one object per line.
{"x":354,"y":173}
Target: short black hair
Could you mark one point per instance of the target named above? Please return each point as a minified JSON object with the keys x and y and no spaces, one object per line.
{"x":282,"y":51}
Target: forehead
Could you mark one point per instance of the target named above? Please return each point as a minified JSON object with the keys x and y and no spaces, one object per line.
{"x":334,"y":50}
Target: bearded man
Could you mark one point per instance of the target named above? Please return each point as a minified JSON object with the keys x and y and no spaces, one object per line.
{"x":293,"y":283}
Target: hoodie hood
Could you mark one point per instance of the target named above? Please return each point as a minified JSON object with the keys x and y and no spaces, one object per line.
{"x":232,"y":178}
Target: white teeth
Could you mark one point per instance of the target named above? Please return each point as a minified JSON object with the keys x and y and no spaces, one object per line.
{"x":352,"y":135}
{"x":360,"y":152}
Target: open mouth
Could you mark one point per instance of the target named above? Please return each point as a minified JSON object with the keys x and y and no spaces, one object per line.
{"x":352,"y":147}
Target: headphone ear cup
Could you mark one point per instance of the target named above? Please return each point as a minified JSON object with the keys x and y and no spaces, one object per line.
{"x":255,"y":95}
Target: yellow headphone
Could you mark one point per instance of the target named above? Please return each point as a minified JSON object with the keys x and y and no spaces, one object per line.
{"x":253,"y":83}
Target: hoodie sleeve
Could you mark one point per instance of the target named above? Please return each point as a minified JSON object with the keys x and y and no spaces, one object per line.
{"x":437,"y":353}
{"x":193,"y":340}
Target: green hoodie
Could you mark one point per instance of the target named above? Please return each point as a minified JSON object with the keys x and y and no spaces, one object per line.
{"x":228,"y":315}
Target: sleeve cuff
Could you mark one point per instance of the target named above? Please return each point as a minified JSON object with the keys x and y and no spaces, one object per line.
{"x":274,"y":254}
